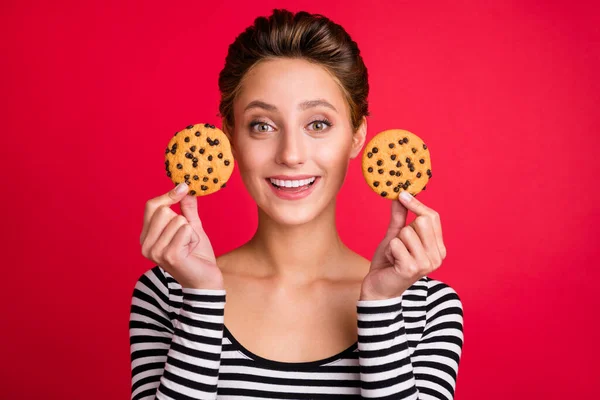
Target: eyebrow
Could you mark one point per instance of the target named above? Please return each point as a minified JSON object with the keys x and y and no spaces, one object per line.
{"x":305,"y":105}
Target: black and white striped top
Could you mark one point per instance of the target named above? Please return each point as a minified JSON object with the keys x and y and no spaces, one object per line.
{"x":408,"y":347}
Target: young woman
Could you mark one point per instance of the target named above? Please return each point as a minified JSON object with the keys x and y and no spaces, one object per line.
{"x":305,"y":317}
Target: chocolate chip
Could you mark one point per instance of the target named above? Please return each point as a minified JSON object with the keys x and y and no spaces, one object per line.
{"x":192,"y":192}
{"x":391,"y":145}
{"x":383,"y":194}
{"x":405,"y":140}
{"x":216,"y":142}
{"x":205,"y":179}
{"x":168,"y":174}
{"x":195,"y":159}
{"x":398,"y":164}
{"x":375,"y":183}
{"x":197,"y":133}
{"x":380,"y":170}
{"x":422,"y":161}
{"x":389,"y":183}
{"x":175,"y":133}
{"x":429,"y":172}
{"x":393,"y":157}
{"x":220,"y":155}
{"x":186,"y":176}
{"x":195,"y":164}
{"x":210,"y":170}
{"x":226,"y":162}
{"x":187,"y":139}
{"x":196,"y":177}
{"x":408,"y":160}
{"x":188,"y":183}
{"x":424,"y":148}
{"x":201,"y":151}
{"x":204,"y":187}
{"x":396,"y":189}
{"x":207,"y":125}
{"x":400,"y":142}
{"x":167,"y":150}
{"x":193,"y":148}
{"x":209,"y":141}
{"x":375,"y":150}
{"x":173,"y":150}
{"x":392,"y":172}
{"x":190,"y":126}
{"x":424,"y":187}
{"x":370,"y":169}
{"x":412,"y":168}
{"x":369,"y":154}
{"x":398,"y":173}
{"x":189,"y":155}
{"x":215,"y":180}
{"x":174,"y":145}
{"x":414,"y":150}
{"x":418,"y":174}
{"x":179,"y":166}
{"x":222,"y":186}
{"x":380,"y":162}
{"x":167,"y":163}
{"x":209,"y":158}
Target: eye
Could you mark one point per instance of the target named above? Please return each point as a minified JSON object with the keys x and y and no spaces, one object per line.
{"x":321,"y":124}
{"x":262,"y":126}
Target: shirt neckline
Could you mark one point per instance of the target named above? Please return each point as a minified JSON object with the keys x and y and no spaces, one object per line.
{"x":284,"y":365}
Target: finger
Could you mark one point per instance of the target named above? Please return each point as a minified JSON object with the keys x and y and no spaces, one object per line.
{"x":423,"y":226}
{"x":397,"y":220}
{"x":167,"y":236}
{"x":167,"y":199}
{"x":184,"y":242}
{"x":159,"y":221}
{"x":411,"y":240}
{"x":401,"y":258}
{"x":414,"y":205}
{"x":419,"y":209}
{"x":189,"y":209}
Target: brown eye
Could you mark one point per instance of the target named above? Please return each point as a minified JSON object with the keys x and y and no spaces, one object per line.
{"x":320,"y":125}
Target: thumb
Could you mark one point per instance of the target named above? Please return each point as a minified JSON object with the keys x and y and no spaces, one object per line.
{"x":397,"y":219}
{"x":189,"y":209}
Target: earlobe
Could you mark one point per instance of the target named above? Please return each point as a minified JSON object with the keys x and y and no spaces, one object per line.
{"x":358,"y":140}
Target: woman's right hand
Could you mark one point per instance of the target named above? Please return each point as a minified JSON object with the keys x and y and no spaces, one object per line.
{"x":178,"y":243}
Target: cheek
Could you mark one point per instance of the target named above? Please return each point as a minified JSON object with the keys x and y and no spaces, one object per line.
{"x":334,"y":156}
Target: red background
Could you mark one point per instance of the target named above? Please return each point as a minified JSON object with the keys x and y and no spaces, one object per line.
{"x":506,"y":97}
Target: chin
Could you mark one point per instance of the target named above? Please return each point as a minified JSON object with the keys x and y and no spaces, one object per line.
{"x":292,"y":216}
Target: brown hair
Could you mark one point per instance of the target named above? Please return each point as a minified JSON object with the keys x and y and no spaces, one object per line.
{"x":312,"y":37}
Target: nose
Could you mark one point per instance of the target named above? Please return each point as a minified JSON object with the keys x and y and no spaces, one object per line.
{"x":291,"y":149}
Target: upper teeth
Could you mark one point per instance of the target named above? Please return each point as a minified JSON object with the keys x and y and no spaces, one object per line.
{"x":294,"y":183}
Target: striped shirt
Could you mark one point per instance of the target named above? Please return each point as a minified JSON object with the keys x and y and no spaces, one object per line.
{"x":408,"y":347}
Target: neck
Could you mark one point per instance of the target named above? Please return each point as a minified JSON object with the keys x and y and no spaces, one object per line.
{"x":299,"y":253}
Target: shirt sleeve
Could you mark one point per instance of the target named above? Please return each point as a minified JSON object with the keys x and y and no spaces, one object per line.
{"x":388,"y":370}
{"x":175,"y":338}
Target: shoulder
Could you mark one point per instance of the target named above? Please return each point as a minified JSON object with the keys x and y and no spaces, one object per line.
{"x":442,"y":298}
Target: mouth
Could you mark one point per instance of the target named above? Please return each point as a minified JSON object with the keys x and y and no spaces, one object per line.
{"x":292,"y":185}
{"x":293,"y":188}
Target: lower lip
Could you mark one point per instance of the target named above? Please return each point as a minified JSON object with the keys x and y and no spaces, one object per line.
{"x":293,"y":195}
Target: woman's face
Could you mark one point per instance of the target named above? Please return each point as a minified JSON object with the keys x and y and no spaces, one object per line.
{"x":293,"y":138}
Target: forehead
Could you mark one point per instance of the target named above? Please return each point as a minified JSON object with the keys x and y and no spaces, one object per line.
{"x":287,"y":82}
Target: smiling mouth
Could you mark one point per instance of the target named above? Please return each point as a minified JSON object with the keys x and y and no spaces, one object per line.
{"x":292,"y":185}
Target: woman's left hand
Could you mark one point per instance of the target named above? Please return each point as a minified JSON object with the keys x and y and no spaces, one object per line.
{"x":407,"y":253}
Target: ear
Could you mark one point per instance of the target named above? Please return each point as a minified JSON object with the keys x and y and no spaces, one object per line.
{"x":229,"y":135}
{"x":358,"y":139}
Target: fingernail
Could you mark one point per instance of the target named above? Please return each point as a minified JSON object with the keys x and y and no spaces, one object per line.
{"x":181,"y":188}
{"x":405,"y":196}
